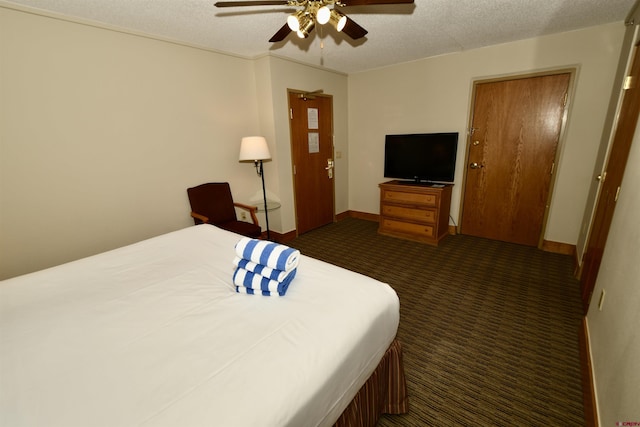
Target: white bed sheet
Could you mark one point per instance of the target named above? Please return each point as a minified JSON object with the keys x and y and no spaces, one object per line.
{"x":153,"y":334}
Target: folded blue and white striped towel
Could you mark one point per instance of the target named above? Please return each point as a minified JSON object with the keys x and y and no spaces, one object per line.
{"x":257,"y":282}
{"x":260,"y":269}
{"x":269,"y":254}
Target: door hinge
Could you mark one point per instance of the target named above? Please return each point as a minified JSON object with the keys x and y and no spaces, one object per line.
{"x":566,"y":97}
{"x":553,"y":166}
{"x":615,"y":199}
{"x":291,"y":113}
{"x":472,"y":131}
{"x":629,"y":83}
{"x":294,"y":169}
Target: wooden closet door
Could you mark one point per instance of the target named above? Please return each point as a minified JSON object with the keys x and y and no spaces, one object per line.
{"x":515,"y":132}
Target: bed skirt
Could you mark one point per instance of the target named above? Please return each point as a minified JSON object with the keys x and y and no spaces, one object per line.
{"x":385,"y":392}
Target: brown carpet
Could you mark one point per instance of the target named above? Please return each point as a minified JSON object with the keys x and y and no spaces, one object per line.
{"x":489,"y":329}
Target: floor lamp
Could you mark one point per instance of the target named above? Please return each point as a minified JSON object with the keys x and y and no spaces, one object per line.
{"x":255,"y":148}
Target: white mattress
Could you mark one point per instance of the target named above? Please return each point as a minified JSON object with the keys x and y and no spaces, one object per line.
{"x":153,"y":334}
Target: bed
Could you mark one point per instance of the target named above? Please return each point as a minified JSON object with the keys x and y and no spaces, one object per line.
{"x":154,"y":334}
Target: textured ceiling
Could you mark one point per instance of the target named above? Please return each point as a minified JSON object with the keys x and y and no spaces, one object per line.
{"x":397,"y":33}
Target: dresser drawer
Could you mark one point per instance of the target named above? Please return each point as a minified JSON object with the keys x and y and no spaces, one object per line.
{"x":408,"y":197}
{"x":414,"y":212}
{"x":425,"y":215}
{"x":419,"y":230}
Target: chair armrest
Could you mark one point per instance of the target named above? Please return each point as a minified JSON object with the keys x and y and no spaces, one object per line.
{"x":252,"y":210}
{"x":202,"y":218}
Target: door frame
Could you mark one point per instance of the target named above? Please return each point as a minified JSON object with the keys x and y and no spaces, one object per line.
{"x":317,"y":94}
{"x":572,"y":71}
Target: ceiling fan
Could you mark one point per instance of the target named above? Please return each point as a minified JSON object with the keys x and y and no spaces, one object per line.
{"x":304,"y":20}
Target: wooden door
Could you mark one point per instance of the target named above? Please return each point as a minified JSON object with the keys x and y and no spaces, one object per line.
{"x":611,"y":182}
{"x":311,"y":118}
{"x":515,"y":131}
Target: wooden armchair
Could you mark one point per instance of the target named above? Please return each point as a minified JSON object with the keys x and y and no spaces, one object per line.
{"x":212,"y":203}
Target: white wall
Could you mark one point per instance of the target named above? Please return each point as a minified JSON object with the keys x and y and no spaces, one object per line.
{"x":433,"y":95}
{"x":102,"y":132}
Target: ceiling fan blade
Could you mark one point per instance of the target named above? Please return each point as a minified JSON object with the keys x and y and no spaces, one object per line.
{"x":371,"y":2}
{"x":281,"y":34}
{"x":354,"y":30}
{"x":251,"y":3}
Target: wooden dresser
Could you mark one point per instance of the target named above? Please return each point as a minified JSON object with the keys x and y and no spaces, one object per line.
{"x":415,"y":212}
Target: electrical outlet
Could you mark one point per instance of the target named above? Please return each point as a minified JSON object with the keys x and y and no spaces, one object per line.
{"x":243,"y":216}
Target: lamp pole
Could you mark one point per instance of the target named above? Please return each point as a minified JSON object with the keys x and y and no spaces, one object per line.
{"x":264,"y":196}
{"x":255,"y":148}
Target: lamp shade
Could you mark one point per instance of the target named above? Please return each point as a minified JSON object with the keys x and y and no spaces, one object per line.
{"x":338,"y":20}
{"x":293,"y":21}
{"x":323,"y":15}
{"x":254,"y":148}
{"x":306,"y":26}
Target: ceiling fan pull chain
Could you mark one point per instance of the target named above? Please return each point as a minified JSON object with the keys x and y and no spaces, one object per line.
{"x":320,"y":33}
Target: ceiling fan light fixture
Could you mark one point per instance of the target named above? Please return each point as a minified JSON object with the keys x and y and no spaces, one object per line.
{"x":306,"y":26}
{"x":323,"y":15}
{"x":293,"y":21}
{"x":338,"y":20}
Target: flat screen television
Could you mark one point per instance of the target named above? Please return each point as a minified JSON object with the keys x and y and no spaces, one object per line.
{"x":423,"y":157}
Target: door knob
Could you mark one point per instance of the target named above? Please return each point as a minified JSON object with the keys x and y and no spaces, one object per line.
{"x":329,"y":164}
{"x":475,"y":165}
{"x":329,"y":168}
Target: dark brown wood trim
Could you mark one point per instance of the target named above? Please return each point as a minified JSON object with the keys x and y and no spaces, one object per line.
{"x":558,"y":248}
{"x":588,"y":388}
{"x":577,"y":267}
{"x":279,"y":237}
{"x":343,"y":215}
{"x":364,"y":215}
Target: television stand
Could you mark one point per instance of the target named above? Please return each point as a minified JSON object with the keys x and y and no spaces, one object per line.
{"x":415,"y":211}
